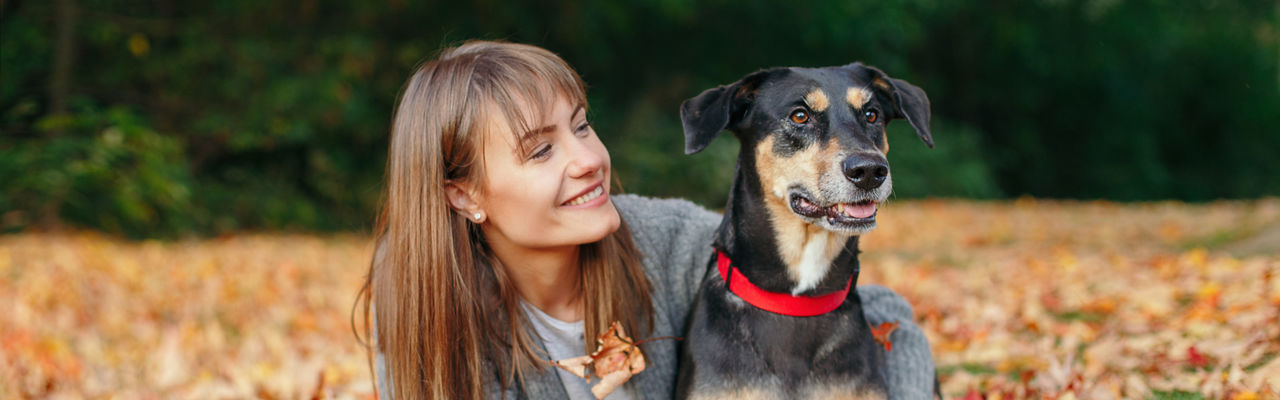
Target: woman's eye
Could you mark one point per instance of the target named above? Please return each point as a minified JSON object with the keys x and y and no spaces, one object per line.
{"x":799,"y":116}
{"x":541,"y":152}
{"x":582,"y":129}
{"x":871,"y":115}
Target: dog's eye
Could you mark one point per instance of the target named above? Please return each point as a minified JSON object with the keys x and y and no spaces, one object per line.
{"x":871,"y":115}
{"x":799,"y":116}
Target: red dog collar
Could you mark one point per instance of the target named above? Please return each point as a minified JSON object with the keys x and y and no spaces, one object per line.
{"x":778,"y":303}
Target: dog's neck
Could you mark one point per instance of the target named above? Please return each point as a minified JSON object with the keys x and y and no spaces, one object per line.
{"x":812,"y":260}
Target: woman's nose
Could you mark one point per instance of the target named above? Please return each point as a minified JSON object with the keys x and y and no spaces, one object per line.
{"x":587,"y":159}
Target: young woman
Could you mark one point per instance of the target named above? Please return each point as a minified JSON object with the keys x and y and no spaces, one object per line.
{"x":501,"y":246}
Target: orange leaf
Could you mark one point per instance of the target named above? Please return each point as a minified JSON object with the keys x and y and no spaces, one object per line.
{"x":318,"y":394}
{"x":615,"y":360}
{"x":576,"y":365}
{"x":610,"y":382}
{"x":615,"y":351}
{"x":881,"y":334}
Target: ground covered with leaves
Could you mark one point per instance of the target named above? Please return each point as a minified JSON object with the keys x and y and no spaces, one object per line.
{"x":1020,"y":299}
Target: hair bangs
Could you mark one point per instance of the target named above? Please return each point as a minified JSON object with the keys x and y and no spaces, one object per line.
{"x":524,"y":86}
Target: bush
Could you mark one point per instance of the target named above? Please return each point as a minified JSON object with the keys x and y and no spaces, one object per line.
{"x":106,"y":169}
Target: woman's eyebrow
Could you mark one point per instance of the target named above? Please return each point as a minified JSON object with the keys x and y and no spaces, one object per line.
{"x":530,"y":138}
{"x":530,"y":135}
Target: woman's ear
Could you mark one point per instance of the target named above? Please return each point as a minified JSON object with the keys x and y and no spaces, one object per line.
{"x":462,"y":200}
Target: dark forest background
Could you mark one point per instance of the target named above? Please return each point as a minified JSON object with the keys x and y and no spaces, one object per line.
{"x":162,"y":118}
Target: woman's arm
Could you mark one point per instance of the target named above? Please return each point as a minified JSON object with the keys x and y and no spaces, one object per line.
{"x":674,"y":237}
{"x":910,"y":370}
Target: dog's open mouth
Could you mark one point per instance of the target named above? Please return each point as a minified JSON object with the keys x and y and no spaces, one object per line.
{"x":844,"y":215}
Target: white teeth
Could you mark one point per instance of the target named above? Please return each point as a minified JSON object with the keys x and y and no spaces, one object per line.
{"x":587,"y":197}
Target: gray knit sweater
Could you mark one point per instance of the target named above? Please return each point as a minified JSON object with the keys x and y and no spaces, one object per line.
{"x":675,"y":238}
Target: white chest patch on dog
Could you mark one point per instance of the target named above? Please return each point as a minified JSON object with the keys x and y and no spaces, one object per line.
{"x":814,"y":263}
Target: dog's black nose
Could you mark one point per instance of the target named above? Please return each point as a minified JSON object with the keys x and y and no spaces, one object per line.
{"x":865,"y":172}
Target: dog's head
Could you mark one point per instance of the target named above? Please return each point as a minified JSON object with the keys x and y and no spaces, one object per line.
{"x":816,"y":136}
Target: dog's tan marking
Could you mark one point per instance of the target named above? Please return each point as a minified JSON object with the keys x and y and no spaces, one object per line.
{"x":805,"y":248}
{"x":857,"y":97}
{"x":817,"y":100}
{"x":747,"y":393}
{"x":881,"y":83}
{"x":776,"y":177}
{"x":837,"y":392}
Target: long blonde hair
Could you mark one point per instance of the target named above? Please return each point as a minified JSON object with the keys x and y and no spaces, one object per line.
{"x":448,"y":315}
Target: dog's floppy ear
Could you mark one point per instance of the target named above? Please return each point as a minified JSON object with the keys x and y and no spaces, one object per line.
{"x":910,"y":101}
{"x":716,"y":109}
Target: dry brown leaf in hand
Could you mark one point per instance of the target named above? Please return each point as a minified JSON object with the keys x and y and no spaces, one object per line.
{"x":610,"y":382}
{"x":881,"y":334}
{"x":616,"y":351}
{"x":615,"y":360}
{"x":576,"y":365}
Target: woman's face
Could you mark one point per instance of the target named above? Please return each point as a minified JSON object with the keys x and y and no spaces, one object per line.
{"x":554,"y":190}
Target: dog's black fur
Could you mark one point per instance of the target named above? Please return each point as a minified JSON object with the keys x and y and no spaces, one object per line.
{"x":789,"y":180}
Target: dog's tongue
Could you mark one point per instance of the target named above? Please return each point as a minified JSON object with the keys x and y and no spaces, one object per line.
{"x":860,"y":210}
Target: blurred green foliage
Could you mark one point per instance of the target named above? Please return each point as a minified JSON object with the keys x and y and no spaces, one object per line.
{"x":209,"y":117}
{"x":109,"y":171}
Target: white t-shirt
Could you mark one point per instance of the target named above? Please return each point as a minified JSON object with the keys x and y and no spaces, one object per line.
{"x":565,"y":340}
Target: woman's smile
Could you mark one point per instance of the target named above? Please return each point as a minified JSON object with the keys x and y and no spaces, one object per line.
{"x":594,"y":196}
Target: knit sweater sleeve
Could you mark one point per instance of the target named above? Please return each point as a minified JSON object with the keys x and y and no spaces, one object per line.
{"x":674,"y":237}
{"x":909,"y":371}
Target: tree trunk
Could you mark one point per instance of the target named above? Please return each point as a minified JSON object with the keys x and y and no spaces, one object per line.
{"x":64,"y":20}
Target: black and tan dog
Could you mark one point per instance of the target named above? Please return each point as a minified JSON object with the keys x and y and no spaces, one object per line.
{"x":780,"y":320}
